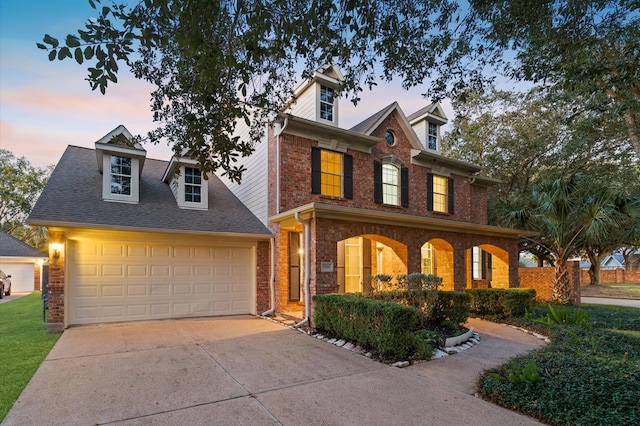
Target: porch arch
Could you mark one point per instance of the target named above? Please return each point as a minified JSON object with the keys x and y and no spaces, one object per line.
{"x":441,"y":262}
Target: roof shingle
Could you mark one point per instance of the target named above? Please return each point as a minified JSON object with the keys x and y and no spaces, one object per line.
{"x":73,"y":198}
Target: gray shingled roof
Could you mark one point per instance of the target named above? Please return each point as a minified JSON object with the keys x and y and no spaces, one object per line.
{"x":13,"y":247}
{"x":73,"y":198}
{"x":365,"y":125}
{"x":420,"y":112}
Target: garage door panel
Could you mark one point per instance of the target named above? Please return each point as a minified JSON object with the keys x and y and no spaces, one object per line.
{"x":137,"y":270}
{"x":137,"y":290}
{"x":128,"y":281}
{"x":112,"y":271}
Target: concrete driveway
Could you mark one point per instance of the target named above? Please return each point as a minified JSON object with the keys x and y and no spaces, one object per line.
{"x":246,"y":370}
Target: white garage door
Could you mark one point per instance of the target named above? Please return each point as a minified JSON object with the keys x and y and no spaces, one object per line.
{"x":22,"y":276}
{"x":115,"y":281}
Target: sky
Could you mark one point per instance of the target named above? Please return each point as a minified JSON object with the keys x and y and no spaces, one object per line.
{"x":46,"y":106}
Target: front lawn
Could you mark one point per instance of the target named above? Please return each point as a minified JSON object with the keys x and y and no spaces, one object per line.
{"x":24,"y":344}
{"x":588,"y":375}
{"x":615,"y":291}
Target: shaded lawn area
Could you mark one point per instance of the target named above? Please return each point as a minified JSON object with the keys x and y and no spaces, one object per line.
{"x":616,"y":291}
{"x":585,"y":376}
{"x":24,"y":344}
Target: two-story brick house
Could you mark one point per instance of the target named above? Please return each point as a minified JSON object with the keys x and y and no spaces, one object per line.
{"x":378,"y":198}
{"x":320,"y":209}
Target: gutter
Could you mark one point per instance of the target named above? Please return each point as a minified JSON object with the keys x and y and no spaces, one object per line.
{"x":272,"y":279}
{"x":307,"y":266}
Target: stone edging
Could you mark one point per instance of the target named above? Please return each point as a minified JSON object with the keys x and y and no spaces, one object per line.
{"x":453,"y":345}
{"x":457,"y":344}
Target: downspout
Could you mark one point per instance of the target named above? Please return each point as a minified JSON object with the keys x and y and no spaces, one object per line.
{"x":272,"y":279}
{"x":307,"y":266}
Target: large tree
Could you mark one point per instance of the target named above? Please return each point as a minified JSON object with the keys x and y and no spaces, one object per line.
{"x":215,"y":63}
{"x":20,"y":186}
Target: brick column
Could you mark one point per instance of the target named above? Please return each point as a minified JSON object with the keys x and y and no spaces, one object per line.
{"x":56,"y":284}
{"x":37,"y":270}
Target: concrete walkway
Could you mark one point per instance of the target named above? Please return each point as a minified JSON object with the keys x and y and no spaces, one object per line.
{"x":245,"y":370}
{"x":13,"y":296}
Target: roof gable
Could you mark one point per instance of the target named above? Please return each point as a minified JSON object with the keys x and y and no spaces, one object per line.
{"x":369,"y":125}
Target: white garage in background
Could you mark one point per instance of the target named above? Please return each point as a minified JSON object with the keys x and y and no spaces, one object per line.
{"x":121,"y":276}
{"x":23,"y":262}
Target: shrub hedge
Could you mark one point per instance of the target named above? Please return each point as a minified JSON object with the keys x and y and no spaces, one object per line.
{"x":451,"y":306}
{"x":386,"y":328}
{"x":500,"y":302}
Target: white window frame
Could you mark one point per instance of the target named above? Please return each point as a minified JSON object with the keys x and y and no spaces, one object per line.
{"x":435,"y":135}
{"x":441,"y":196}
{"x":326,"y":98}
{"x":390,"y":184}
{"x":120,"y":174}
{"x":192,"y":181}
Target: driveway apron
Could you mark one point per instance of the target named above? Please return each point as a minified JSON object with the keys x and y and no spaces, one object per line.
{"x":246,"y":370}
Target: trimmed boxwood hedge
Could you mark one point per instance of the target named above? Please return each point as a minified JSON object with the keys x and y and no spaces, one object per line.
{"x":451,"y":307}
{"x":500,"y":302}
{"x":386,"y":328}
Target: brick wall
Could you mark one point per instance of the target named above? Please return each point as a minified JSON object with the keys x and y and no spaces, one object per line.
{"x":55,"y":288}
{"x":37,"y":268}
{"x":263,"y":275}
{"x":295,"y":182}
{"x":617,"y":276}
{"x":541,"y":279}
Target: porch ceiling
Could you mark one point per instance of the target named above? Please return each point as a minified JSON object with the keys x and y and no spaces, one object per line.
{"x":328,"y":211}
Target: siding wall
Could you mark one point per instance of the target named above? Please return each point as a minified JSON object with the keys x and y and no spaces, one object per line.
{"x":252,"y":191}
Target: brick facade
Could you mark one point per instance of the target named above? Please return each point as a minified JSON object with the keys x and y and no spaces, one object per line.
{"x":402,"y":244}
{"x":56,"y":287}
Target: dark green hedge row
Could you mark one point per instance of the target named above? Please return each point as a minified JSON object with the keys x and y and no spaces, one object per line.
{"x":386,"y":328}
{"x":451,"y":306}
{"x":500,"y":302}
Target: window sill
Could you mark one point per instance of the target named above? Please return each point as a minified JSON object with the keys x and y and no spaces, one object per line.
{"x":329,"y":197}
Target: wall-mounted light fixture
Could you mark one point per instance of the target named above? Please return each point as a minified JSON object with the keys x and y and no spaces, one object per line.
{"x":55,"y":248}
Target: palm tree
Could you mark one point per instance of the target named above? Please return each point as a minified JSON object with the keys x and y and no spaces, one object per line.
{"x":571,"y":213}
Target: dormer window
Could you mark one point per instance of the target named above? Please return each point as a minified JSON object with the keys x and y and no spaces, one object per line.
{"x":192,"y":185}
{"x":326,"y":103}
{"x":433,"y":136}
{"x":120,"y":160}
{"x":120,"y":175}
{"x":188,"y":184}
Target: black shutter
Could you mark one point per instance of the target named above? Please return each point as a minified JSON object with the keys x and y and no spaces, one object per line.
{"x":450,"y":195}
{"x":315,"y":171}
{"x":377,"y":182}
{"x":483,"y":265}
{"x":348,"y":176}
{"x":404,"y":187}
{"x":429,"y":192}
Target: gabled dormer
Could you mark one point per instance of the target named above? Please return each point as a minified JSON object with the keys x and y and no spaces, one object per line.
{"x":316,"y":99}
{"x":120,"y":160}
{"x":188,"y":184}
{"x":426,"y":124}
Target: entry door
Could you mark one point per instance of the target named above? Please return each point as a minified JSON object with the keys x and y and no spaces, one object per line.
{"x":294,"y":267}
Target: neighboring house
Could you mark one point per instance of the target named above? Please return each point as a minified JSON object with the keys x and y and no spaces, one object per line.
{"x":376,"y":199}
{"x":23,"y":262}
{"x":133,"y":238}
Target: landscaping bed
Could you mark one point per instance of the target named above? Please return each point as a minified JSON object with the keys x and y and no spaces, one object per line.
{"x":588,"y":374}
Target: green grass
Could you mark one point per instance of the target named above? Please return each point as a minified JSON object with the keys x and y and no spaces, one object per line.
{"x":24,"y":344}
{"x":590,"y":375}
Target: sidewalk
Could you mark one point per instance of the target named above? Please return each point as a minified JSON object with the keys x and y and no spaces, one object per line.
{"x":635,"y":303}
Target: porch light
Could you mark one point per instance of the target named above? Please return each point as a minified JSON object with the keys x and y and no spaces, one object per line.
{"x":55,"y":248}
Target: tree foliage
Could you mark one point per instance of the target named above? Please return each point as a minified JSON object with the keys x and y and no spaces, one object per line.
{"x":574,"y":213}
{"x":216,"y":63}
{"x":20,"y":186}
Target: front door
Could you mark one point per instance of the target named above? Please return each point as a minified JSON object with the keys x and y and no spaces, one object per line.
{"x":294,"y":267}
